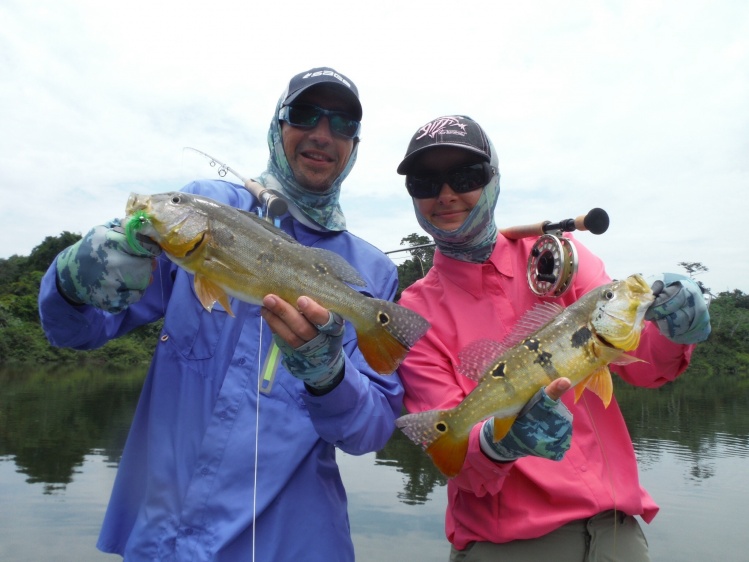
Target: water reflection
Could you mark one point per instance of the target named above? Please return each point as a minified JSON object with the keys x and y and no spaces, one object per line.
{"x":51,"y":420}
{"x":64,"y":432}
{"x":696,"y":420}
{"x":421,"y":476}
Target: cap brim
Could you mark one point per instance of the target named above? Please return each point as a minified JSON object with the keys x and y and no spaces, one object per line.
{"x":344,"y":91}
{"x":404,"y":168}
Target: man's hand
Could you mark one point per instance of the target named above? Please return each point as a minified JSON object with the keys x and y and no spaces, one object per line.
{"x":310,"y":338}
{"x":102,"y":270}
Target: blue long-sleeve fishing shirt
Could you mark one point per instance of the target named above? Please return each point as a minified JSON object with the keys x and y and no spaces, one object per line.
{"x":189,"y":486}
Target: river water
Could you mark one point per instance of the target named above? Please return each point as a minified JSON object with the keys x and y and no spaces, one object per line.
{"x":61,"y":435}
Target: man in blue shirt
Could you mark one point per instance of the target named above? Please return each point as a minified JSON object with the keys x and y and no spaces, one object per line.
{"x":231,"y":453}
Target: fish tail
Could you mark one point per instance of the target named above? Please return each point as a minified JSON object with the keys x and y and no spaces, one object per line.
{"x":432,"y":431}
{"x":389,"y":333}
{"x":449,"y":453}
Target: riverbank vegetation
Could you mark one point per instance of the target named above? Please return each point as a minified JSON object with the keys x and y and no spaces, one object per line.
{"x":22,"y":339}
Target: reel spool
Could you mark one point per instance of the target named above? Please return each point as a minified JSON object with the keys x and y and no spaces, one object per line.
{"x":552,"y":265}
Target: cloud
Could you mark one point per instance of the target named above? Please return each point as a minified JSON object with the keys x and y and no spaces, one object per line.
{"x":639,"y":108}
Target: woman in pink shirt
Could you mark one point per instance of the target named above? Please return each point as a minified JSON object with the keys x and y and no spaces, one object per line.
{"x":563,"y":484}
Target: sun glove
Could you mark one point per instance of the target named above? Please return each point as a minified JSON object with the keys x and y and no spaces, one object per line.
{"x":543,"y":428}
{"x":679,"y":310}
{"x":103,"y":270}
{"x":318,"y":362}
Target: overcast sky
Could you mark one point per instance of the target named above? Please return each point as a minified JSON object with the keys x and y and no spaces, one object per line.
{"x":638,"y":107}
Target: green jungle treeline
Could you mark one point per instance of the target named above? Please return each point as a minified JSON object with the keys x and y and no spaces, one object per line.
{"x":22,"y":339}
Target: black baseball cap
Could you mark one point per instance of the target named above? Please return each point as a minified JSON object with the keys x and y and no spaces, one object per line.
{"x":324,"y":75}
{"x":451,"y":130}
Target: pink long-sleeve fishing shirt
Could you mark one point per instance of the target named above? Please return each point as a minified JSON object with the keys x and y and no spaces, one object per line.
{"x":528,"y":498}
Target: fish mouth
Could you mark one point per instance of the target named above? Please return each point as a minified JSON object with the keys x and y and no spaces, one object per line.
{"x":136,"y":202}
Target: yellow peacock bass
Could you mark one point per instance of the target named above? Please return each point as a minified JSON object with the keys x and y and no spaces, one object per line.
{"x":549,"y":342}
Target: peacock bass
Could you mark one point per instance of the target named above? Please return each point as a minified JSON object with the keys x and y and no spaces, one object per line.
{"x":549,"y":342}
{"x":235,"y":253}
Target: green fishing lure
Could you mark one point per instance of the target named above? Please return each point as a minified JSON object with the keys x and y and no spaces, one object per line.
{"x":135,"y":223}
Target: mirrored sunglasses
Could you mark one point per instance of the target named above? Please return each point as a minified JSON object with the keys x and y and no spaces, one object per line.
{"x":460,"y":180}
{"x":307,"y":116}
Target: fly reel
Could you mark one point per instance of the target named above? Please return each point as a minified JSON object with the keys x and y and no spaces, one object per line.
{"x":552,"y":263}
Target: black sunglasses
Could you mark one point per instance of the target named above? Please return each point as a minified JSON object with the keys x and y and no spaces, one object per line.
{"x":461,"y":180}
{"x":307,"y":116}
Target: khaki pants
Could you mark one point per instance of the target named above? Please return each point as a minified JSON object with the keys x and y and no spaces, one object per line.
{"x":607,"y":537}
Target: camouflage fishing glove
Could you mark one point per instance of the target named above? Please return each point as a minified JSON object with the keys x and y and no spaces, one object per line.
{"x":102,"y":270}
{"x":543,"y":428}
{"x":679,"y":310}
{"x":318,"y":362}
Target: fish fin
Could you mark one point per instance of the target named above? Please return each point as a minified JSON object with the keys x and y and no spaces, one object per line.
{"x":579,"y":389}
{"x":626,"y":359}
{"x":337,"y":266}
{"x":389,"y":334}
{"x":421,"y":427}
{"x":431,"y":430}
{"x":476,"y":358}
{"x":502,"y":427}
{"x":209,"y":293}
{"x":600,"y":383}
{"x":535,"y":319}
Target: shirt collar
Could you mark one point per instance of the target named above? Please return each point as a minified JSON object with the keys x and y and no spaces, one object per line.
{"x":470,"y":276}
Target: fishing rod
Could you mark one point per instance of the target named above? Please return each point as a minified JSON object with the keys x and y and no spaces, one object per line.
{"x":272,"y":205}
{"x":552,"y":263}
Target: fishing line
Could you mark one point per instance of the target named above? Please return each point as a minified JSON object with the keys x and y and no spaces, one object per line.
{"x":161,"y":286}
{"x":257,"y":434}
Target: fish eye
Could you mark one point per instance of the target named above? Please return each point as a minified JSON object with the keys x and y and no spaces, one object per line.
{"x":175,"y":199}
{"x":608,"y":295}
{"x":383,"y":318}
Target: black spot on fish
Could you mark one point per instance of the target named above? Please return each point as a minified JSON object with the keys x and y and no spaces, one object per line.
{"x":320,"y":268}
{"x":441,"y":427}
{"x":498,"y":370}
{"x":543,"y":359}
{"x":580,"y":337}
{"x":532,"y":344}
